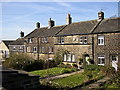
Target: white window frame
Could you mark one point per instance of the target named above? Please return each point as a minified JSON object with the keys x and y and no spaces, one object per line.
{"x":14,"y":48}
{"x":28,"y":49}
{"x":73,"y":58}
{"x":65,"y":57}
{"x":101,"y":58}
{"x":69,"y":57}
{"x":42,"y":49}
{"x":85,"y":38}
{"x":34,"y":49}
{"x":101,"y":40}
{"x":61,"y":40}
{"x":50,"y":49}
{"x":44,"y":40}
{"x":30,"y":40}
{"x":81,"y":39}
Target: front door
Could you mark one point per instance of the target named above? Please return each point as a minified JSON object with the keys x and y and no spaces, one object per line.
{"x":114,"y":59}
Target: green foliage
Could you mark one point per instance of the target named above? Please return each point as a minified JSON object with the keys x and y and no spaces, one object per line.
{"x":93,"y":68}
{"x":74,"y":80}
{"x":91,"y":61}
{"x":74,"y":65}
{"x":34,"y":65}
{"x":114,"y":82}
{"x":80,"y":60}
{"x":65,"y":70}
{"x":108,"y":70}
{"x":59,"y":56}
{"x":68,"y":66}
{"x":17,"y":61}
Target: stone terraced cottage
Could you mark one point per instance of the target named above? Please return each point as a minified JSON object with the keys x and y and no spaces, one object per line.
{"x":97,"y":39}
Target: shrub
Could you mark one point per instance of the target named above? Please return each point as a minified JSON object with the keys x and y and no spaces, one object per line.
{"x":34,"y":65}
{"x":17,"y":61}
{"x":93,"y":67}
{"x":65,"y":70}
{"x":74,"y":65}
{"x":108,"y":71}
{"x":73,"y":70}
{"x":91,"y":61}
{"x":22,"y":61}
{"x":80,"y":61}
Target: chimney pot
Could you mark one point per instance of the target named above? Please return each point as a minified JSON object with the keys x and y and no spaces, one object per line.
{"x":51,"y":23}
{"x":38,"y":25}
{"x":100,"y":15}
{"x":21,"y":34}
{"x":68,"y":19}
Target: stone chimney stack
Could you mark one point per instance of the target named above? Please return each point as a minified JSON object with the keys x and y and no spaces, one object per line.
{"x":51,"y":23}
{"x":68,"y":19}
{"x":100,"y":15}
{"x":37,"y":25}
{"x":21,"y":34}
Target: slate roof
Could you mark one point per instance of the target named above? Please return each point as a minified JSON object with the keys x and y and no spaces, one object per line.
{"x":19,"y":41}
{"x":7,"y":42}
{"x":108,"y":25}
{"x":45,"y":31}
{"x":85,"y":27}
{"x":79,"y":28}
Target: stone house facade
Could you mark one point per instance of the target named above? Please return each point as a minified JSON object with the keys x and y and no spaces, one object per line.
{"x":98,"y":39}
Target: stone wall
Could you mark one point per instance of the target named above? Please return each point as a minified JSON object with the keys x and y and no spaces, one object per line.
{"x":111,"y":47}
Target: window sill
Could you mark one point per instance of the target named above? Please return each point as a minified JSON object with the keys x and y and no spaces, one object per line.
{"x":101,"y":64}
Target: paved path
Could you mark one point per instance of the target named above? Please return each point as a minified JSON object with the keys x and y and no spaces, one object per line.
{"x":98,"y":84}
{"x":64,"y":75}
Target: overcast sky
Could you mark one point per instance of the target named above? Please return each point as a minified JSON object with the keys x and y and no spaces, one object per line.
{"x":22,"y":16}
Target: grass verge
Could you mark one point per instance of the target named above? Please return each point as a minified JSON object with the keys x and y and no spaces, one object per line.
{"x":52,"y":71}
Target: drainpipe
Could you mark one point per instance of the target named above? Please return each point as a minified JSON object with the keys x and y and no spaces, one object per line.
{"x":37,"y":48}
{"x":93,"y":47}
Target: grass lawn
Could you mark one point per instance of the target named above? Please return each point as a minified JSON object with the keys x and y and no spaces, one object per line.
{"x":91,"y":72}
{"x":74,"y":80}
{"x":51,"y":71}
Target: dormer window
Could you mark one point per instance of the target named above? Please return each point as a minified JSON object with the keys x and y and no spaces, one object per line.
{"x":29,"y":40}
{"x":100,"y":40}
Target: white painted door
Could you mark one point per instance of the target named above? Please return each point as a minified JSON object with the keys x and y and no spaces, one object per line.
{"x":114,"y":59}
{"x":87,"y":60}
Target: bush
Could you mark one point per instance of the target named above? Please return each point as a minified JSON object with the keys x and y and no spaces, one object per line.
{"x":34,"y":65}
{"x":74,"y":65}
{"x":22,"y":61}
{"x":17,"y":61}
{"x":91,"y":61}
{"x":93,"y":67}
{"x":108,"y":70}
{"x":65,"y":70}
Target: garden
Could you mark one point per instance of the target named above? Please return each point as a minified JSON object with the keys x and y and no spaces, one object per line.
{"x":50,"y":68}
{"x":52,"y":71}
